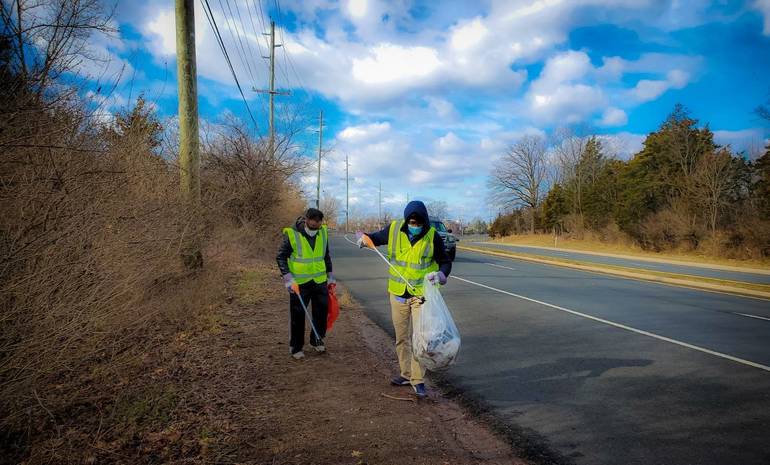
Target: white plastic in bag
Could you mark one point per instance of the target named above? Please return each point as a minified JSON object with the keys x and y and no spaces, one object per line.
{"x":435,"y":338}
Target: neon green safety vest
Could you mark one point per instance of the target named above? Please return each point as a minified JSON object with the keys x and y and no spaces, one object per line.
{"x":307,"y":263}
{"x":412,"y":261}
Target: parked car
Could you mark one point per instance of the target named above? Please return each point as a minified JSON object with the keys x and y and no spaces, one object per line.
{"x":450,"y":241}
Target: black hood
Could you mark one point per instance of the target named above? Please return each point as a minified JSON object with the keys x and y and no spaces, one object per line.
{"x":418,"y":208}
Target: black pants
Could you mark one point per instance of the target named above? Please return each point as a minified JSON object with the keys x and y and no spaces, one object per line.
{"x":316,"y":298}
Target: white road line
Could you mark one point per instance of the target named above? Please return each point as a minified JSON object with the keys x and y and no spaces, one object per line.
{"x":622,"y":326}
{"x":501,"y":266}
{"x":752,"y":316}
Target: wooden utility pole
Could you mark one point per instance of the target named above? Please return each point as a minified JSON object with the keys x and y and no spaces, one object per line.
{"x":189,"y":150}
{"x":272,"y":85}
{"x":347,"y":193}
{"x":320,"y":143}
{"x":271,"y":90}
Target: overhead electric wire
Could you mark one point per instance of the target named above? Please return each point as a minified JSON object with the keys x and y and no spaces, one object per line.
{"x":248,"y":43}
{"x":288,"y":62}
{"x":241,"y":51}
{"x":223,"y":48}
{"x":257,"y":35}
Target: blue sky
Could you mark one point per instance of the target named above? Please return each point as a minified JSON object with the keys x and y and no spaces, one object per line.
{"x":423,"y":96}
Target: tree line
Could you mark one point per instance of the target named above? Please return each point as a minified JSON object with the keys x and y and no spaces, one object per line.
{"x":680,"y":191}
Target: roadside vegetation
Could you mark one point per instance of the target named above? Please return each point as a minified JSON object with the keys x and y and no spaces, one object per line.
{"x":93,"y":291}
{"x":681,"y":193}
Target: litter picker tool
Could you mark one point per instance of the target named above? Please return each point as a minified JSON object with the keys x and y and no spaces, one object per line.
{"x":369,"y":244}
{"x":295,"y":288}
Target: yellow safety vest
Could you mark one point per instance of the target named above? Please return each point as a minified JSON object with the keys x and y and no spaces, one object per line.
{"x":307,"y":263}
{"x":412,"y":261}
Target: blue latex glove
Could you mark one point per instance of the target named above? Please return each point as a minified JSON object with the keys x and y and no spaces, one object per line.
{"x":330,"y":278}
{"x":434,"y":277}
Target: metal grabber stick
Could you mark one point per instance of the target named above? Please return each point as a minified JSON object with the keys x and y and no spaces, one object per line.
{"x":370,"y":245}
{"x":295,"y":288}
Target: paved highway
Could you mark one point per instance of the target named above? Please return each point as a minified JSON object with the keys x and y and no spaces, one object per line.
{"x":629,"y":262}
{"x":598,"y":369}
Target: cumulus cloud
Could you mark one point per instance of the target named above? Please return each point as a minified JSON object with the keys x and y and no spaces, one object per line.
{"x":646,"y":90}
{"x":622,"y":145}
{"x":614,"y":117}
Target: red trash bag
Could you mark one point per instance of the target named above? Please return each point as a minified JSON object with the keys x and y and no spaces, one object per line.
{"x":334,"y":307}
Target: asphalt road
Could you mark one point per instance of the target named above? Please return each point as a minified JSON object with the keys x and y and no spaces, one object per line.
{"x":641,"y":264}
{"x":668,"y":376}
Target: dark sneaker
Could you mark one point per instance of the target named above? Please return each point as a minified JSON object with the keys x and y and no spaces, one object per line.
{"x":420,"y":391}
{"x":399,"y":381}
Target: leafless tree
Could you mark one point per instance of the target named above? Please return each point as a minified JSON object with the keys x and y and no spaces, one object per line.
{"x":437,"y":210}
{"x":569,"y":147}
{"x":713,"y":182}
{"x":330,"y":206}
{"x":518,"y":176}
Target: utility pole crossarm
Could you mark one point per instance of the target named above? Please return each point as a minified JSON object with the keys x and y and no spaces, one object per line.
{"x":276,"y":92}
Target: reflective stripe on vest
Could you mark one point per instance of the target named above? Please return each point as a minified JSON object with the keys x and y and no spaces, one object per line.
{"x":412,"y":261}
{"x":307,"y":263}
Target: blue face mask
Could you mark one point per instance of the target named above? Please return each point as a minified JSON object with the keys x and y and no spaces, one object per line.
{"x":414,"y":230}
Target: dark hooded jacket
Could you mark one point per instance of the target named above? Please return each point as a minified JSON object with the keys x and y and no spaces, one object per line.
{"x":286,"y":250}
{"x":415,"y":207}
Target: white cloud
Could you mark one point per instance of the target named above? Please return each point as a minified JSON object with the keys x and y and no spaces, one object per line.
{"x":390,"y":63}
{"x":363,"y":133}
{"x":468,"y":36}
{"x":751,"y":140}
{"x":614,"y":117}
{"x":623,"y":145}
{"x":357,"y":8}
{"x":764,"y":7}
{"x":442,"y":107}
{"x":449,"y":143}
{"x":565,"y":67}
{"x":646,"y":90}
{"x":162,"y":31}
{"x":567,"y":104}
{"x":555,"y":95}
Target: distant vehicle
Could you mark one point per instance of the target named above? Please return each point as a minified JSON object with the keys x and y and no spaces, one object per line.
{"x":450,"y":242}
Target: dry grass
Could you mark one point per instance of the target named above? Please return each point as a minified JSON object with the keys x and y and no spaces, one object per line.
{"x":592,"y":244}
{"x":92,"y":230}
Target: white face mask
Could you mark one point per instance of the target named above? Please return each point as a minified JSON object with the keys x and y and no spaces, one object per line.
{"x":311,"y":232}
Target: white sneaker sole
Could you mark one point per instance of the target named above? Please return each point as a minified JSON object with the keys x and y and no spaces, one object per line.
{"x":298,"y":356}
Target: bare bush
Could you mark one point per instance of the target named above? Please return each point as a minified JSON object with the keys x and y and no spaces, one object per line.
{"x":92,"y":225}
{"x":241,"y":176}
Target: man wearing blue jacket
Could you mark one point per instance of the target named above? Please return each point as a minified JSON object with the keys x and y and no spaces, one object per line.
{"x":417,"y":252}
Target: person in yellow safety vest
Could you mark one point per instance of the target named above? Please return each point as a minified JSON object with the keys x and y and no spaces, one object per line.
{"x":417,"y":251}
{"x":306,"y":267}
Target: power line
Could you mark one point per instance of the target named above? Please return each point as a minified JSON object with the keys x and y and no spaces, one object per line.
{"x":215,"y":28}
{"x":241,"y":51}
{"x":243,"y":29}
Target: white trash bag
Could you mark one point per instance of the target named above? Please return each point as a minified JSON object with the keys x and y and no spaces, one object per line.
{"x":435,"y":338}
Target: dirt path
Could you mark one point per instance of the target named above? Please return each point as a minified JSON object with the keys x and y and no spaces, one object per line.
{"x":325,"y":409}
{"x":218,"y":386}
